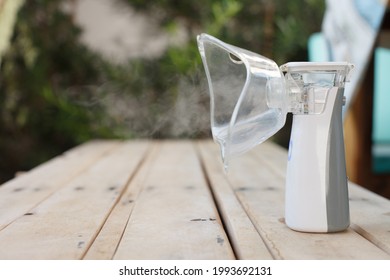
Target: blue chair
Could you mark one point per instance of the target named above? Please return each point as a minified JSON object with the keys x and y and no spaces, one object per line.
{"x":318,"y":49}
{"x":381,"y":112}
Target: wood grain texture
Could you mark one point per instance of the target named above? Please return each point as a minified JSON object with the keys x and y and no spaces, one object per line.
{"x":20,"y":195}
{"x":370,"y":215}
{"x":174,"y":216}
{"x":65,"y":224}
{"x":172,"y":200}
{"x":258,"y":180}
{"x":247,"y":242}
{"x":107,"y":242}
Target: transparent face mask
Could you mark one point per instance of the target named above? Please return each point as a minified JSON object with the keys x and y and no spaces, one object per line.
{"x":247,"y":92}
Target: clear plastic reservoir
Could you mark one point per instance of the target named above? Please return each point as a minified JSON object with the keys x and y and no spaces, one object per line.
{"x":307,"y":84}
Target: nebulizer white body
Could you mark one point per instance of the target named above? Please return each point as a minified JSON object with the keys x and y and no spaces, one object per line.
{"x":250,"y":98}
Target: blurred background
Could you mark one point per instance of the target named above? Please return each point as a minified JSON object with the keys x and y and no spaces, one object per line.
{"x":75,"y":70}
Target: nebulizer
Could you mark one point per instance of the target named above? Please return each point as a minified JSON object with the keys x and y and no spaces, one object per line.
{"x":250,"y":96}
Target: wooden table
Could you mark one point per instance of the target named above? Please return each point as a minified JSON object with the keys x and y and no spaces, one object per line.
{"x":172,"y":200}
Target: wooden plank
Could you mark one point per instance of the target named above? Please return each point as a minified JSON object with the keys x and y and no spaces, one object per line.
{"x":260,"y":188}
{"x":65,"y":224}
{"x":370,"y":215}
{"x":106,"y":243}
{"x":369,"y":211}
{"x":175,"y":216}
{"x":245,"y":239}
{"x":23,"y":193}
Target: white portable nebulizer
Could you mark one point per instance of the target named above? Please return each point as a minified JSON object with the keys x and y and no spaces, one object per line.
{"x":250,"y":98}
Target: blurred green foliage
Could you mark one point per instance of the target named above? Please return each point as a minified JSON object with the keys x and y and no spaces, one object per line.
{"x":39,"y":119}
{"x":276,"y":28}
{"x":55,"y":93}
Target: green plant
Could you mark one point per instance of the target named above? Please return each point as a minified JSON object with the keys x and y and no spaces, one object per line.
{"x":40,"y":112}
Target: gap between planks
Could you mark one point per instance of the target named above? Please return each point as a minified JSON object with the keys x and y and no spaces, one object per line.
{"x":368,"y":210}
{"x":64,"y":225}
{"x":111,"y":233}
{"x":246,"y":241}
{"x":20,"y":195}
{"x":174,"y":216}
{"x":374,"y":206}
{"x":370,"y":214}
{"x":253,"y":185}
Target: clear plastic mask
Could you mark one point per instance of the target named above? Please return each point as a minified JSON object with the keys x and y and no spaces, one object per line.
{"x":248,"y":103}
